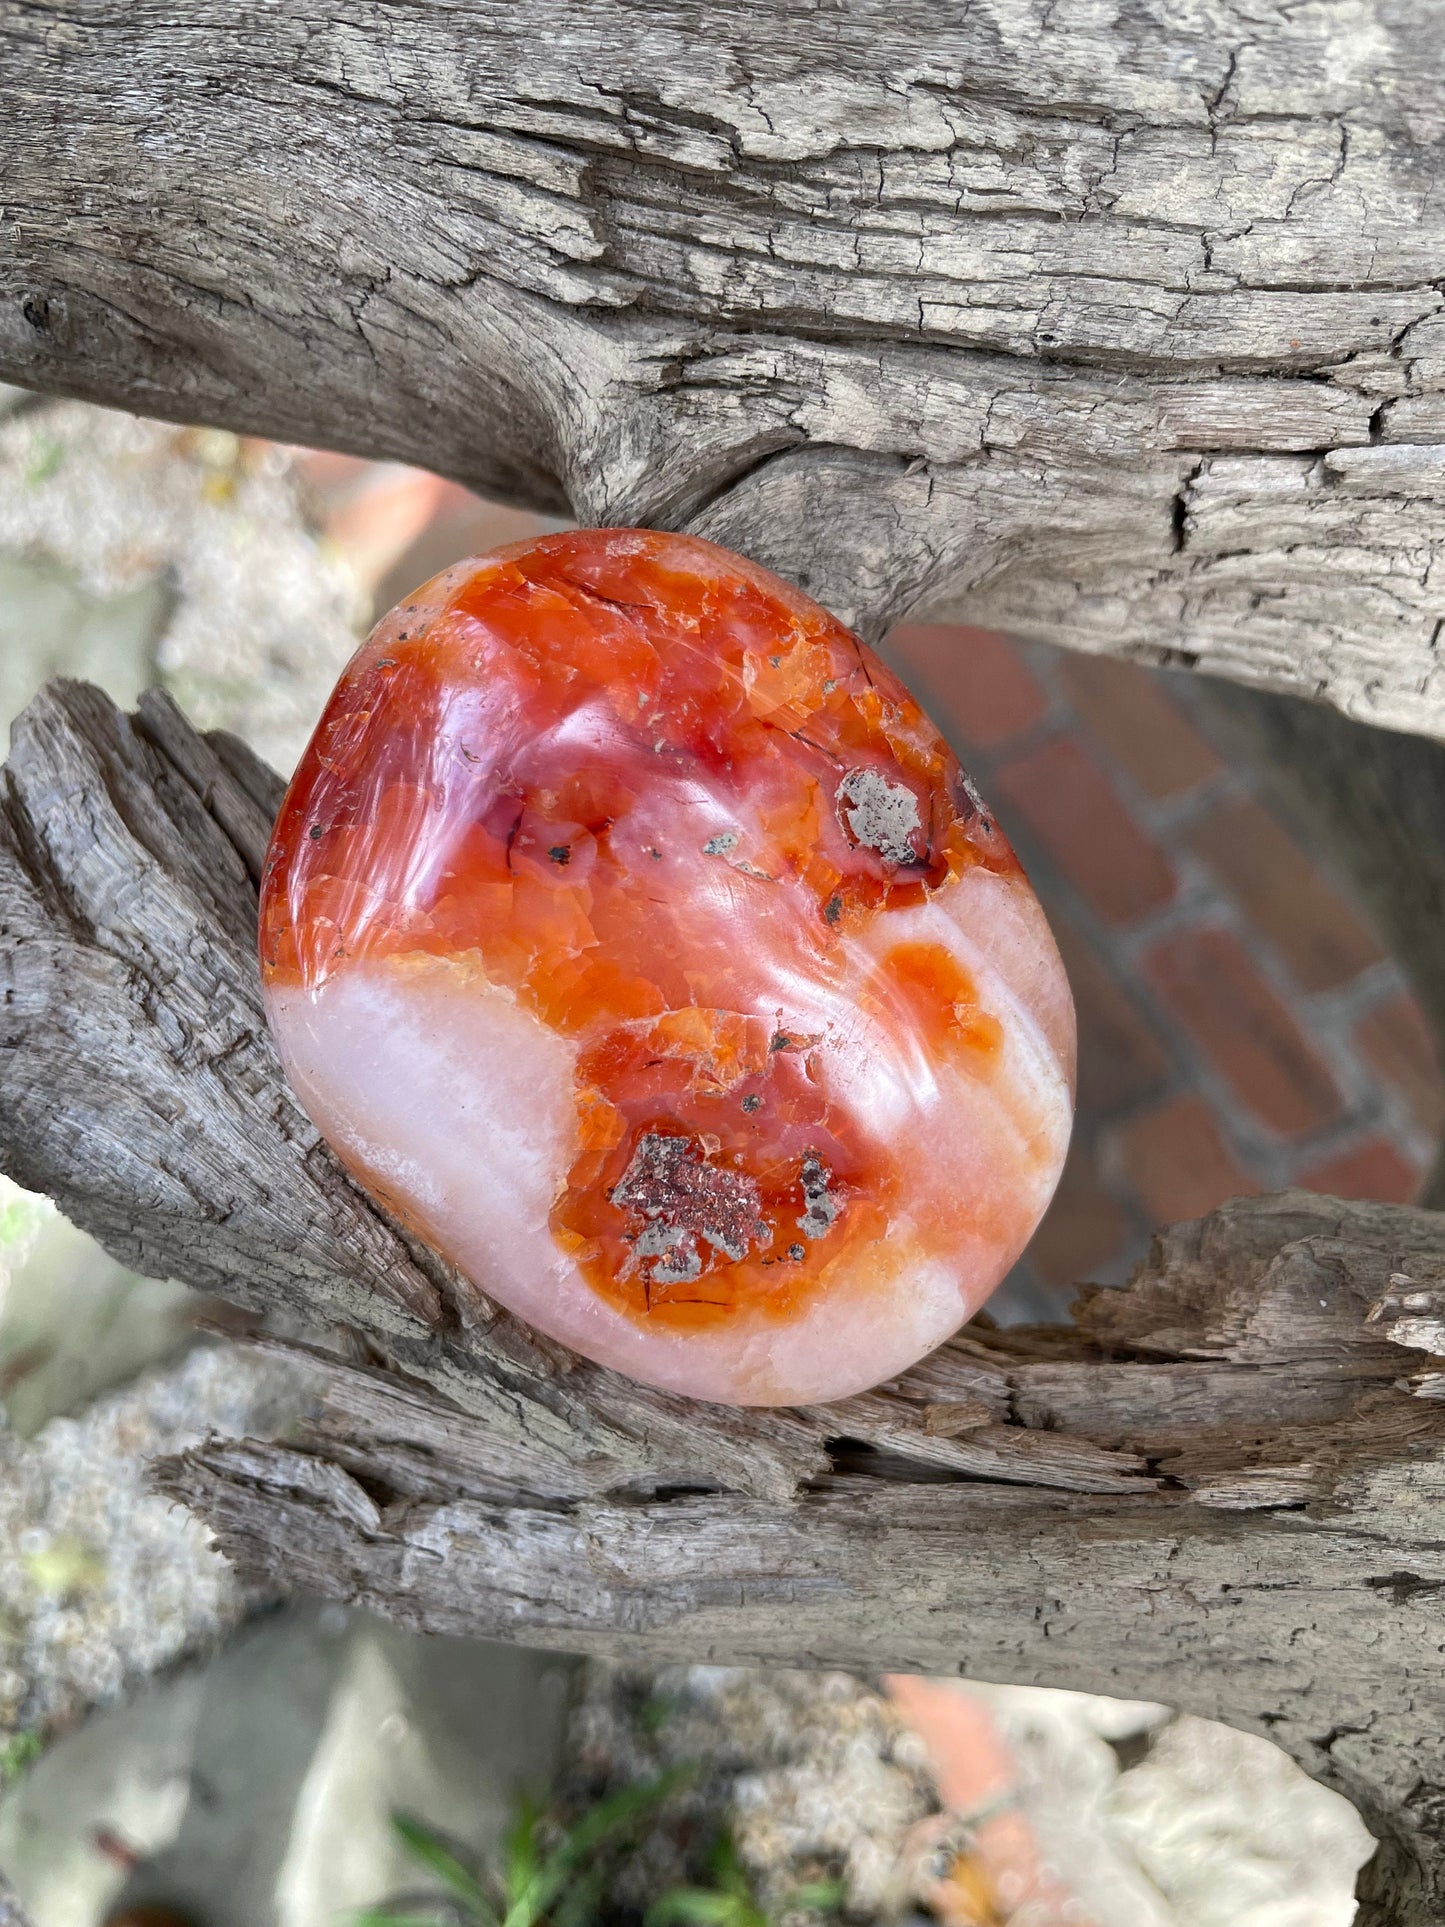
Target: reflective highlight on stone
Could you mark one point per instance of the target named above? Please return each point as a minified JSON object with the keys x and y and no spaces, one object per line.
{"x":632,"y":934}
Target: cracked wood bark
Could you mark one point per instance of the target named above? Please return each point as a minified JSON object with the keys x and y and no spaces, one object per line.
{"x":1119,"y":325}
{"x":1223,"y":1489}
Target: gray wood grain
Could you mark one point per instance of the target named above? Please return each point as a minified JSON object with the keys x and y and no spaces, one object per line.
{"x":1123,"y":325}
{"x":1223,"y":1487}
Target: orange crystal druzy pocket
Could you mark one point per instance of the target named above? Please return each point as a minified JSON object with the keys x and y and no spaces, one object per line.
{"x":631,"y":932}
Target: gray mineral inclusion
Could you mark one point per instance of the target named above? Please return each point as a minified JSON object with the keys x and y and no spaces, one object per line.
{"x":881,"y":815}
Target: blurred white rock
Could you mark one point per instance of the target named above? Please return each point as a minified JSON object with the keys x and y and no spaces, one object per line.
{"x":185,"y":550}
{"x":73,"y":1322}
{"x":1236,"y":1835}
{"x":257,"y":1790}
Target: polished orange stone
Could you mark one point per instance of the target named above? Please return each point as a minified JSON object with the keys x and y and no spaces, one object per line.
{"x":630,"y":931}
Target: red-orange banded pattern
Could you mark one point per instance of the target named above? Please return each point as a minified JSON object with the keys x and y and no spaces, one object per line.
{"x":643,"y":797}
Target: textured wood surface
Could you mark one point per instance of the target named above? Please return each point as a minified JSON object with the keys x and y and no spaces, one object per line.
{"x":1122,"y":325}
{"x":1223,"y":1488}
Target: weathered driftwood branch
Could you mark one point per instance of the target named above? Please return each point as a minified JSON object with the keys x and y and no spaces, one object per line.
{"x":1121,"y":326}
{"x":1224,"y":1489}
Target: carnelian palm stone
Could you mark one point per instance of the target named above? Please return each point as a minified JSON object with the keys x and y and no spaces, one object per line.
{"x":632,"y":934}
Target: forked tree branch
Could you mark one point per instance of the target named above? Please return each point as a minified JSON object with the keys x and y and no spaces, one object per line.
{"x":1122,"y":326}
{"x":1223,"y":1489}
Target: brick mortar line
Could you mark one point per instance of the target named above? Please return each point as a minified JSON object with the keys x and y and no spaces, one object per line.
{"x":1372,"y":1106}
{"x":1167,"y":818}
